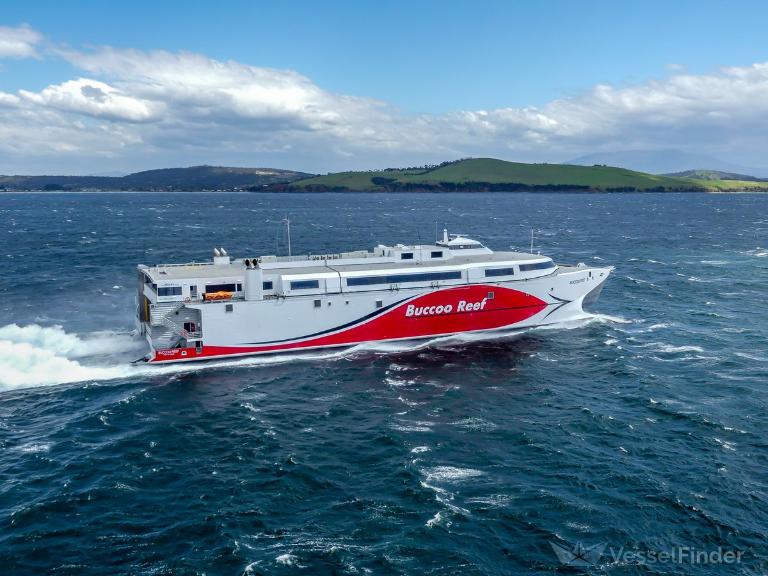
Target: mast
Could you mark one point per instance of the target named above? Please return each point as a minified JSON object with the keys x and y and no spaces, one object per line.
{"x":288,"y":231}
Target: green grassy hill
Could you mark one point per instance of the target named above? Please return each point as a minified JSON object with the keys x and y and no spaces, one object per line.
{"x":715,"y":175}
{"x":490,"y":174}
{"x":192,"y":178}
{"x":733,"y":185}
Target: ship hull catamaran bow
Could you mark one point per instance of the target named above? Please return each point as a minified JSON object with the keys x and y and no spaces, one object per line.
{"x":239,"y":307}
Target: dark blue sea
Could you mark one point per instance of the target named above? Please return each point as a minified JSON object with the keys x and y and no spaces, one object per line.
{"x":636,"y":439}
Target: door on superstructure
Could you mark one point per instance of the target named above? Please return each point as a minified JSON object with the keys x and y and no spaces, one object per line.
{"x":193,"y":292}
{"x":333,"y":285}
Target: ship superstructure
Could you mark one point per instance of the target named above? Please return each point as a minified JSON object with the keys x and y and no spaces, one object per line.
{"x":271,"y":304}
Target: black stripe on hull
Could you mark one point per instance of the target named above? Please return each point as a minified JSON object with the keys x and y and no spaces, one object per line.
{"x":334,"y":329}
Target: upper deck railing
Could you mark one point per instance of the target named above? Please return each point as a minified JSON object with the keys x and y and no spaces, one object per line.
{"x":269,"y":258}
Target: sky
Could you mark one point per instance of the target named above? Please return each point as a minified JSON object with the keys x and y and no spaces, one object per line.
{"x":99,"y":87}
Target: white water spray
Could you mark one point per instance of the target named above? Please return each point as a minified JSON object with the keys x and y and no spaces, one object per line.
{"x":36,"y":355}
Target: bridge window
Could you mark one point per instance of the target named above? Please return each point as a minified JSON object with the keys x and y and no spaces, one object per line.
{"x":398,"y":278}
{"x":465,"y":246}
{"x":267,"y":285}
{"x":169,"y":291}
{"x":437,"y":254}
{"x":406,"y":256}
{"x":537,"y":266}
{"x":305,"y":284}
{"x":499,"y":271}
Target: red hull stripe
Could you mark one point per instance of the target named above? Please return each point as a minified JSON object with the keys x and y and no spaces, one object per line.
{"x":449,"y":311}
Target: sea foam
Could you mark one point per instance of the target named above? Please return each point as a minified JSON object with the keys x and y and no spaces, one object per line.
{"x":37,"y":356}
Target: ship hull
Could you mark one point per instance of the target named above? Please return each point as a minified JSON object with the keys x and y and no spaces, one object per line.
{"x":279,"y":326}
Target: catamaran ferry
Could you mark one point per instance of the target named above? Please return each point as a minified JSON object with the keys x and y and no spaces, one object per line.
{"x":270,"y":304}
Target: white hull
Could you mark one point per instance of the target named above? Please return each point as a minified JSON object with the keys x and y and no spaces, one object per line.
{"x":300,"y":323}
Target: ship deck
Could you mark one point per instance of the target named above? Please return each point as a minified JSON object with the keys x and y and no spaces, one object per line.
{"x":209,"y":270}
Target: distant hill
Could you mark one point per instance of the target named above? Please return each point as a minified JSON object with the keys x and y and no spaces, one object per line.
{"x":662,"y":161}
{"x":715,"y":175}
{"x":488,"y":174}
{"x":468,"y":175}
{"x":171,"y":179}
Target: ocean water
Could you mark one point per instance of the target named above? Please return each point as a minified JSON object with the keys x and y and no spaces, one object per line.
{"x":641,"y":429}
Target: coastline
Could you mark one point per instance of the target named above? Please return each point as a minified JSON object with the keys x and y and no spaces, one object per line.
{"x":398,"y":192}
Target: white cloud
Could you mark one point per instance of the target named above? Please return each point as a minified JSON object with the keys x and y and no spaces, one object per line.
{"x":94,"y":98}
{"x":182,"y":108}
{"x":201,"y":88}
{"x":19,"y":42}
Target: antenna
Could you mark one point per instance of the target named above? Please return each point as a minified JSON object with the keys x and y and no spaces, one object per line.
{"x":288,"y":231}
{"x":277,"y":238}
{"x":421,"y":246}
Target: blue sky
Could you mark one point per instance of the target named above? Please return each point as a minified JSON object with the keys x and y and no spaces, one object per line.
{"x":443,"y":60}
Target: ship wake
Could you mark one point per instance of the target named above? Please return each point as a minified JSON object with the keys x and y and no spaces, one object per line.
{"x":37,"y":355}
{"x":34,"y":355}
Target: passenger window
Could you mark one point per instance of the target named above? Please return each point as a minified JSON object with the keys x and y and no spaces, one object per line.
{"x":305,"y":284}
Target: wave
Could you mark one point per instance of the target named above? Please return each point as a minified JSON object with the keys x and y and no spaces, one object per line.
{"x":450,"y":474}
{"x":38,"y":356}
{"x":669,"y":349}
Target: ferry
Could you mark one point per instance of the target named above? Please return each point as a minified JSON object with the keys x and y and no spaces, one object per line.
{"x":275,"y":304}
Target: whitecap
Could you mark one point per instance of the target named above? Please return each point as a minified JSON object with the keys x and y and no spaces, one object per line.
{"x":475,"y":423}
{"x":610,"y":319}
{"x":669,"y":349}
{"x":451,"y":474}
{"x":409,"y":402}
{"x":35,"y":447}
{"x":438,"y":520}
{"x":410,"y":428}
{"x":288,"y":560}
{"x":495,"y":500}
{"x":755,"y":357}
{"x":726,"y":445}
